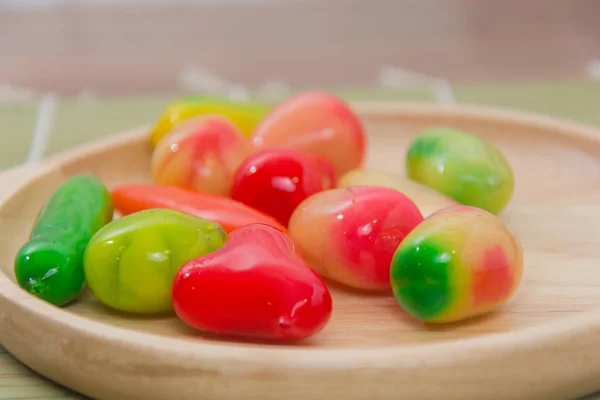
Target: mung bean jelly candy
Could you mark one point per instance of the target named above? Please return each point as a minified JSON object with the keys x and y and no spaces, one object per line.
{"x":459,"y":262}
{"x":462,"y":166}
{"x":349,"y":235}
{"x":200,"y":154}
{"x":315,"y":122}
{"x":245,"y":115}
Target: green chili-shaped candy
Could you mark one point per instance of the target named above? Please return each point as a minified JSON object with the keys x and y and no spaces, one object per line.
{"x":130,"y":263}
{"x":50,"y":264}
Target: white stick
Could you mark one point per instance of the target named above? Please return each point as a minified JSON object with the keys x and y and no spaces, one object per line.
{"x":398,"y":78}
{"x":593,"y":69}
{"x":442,"y":90}
{"x":393,"y":77}
{"x":43,"y":128}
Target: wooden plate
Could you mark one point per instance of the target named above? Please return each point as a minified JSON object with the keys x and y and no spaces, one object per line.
{"x":543,"y":344}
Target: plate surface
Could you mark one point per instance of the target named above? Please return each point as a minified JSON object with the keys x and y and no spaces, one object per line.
{"x":542,"y":344}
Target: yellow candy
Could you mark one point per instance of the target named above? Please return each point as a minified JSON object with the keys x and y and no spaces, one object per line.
{"x":428,"y":200}
{"x":243,"y":115}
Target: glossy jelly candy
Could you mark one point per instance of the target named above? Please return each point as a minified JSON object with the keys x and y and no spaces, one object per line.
{"x":50,"y":265}
{"x":201,"y":154}
{"x":459,"y":262}
{"x":275,"y":181}
{"x":317,"y":123}
{"x":130,"y":263}
{"x":244,"y":115}
{"x":254,"y":286}
{"x":461,"y":166}
{"x":350,"y":234}
{"x":427,"y":199}
{"x":229,"y":214}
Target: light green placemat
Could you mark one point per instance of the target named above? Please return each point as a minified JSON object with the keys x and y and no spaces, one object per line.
{"x":16,"y":128}
{"x":77,"y":122}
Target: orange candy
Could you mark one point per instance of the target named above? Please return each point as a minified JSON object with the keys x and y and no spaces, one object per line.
{"x":317,"y":123}
{"x":201,"y":154}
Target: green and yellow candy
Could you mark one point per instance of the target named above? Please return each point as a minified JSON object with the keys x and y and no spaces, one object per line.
{"x":458,"y":263}
{"x":130,"y":263}
{"x":462,"y":166}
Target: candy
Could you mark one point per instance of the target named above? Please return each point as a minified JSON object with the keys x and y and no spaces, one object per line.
{"x":230,"y":214}
{"x":350,"y":234}
{"x":202,"y":154}
{"x":461,"y":166}
{"x":317,"y":123}
{"x":50,"y":265}
{"x":427,"y":199}
{"x":255,"y":286}
{"x":244,"y":115}
{"x":459,"y":262}
{"x":275,"y":181}
{"x":130,"y":263}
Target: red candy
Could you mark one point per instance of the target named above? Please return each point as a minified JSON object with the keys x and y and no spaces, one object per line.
{"x":317,"y":123}
{"x":350,"y":234}
{"x":254,"y":286}
{"x":275,"y":181}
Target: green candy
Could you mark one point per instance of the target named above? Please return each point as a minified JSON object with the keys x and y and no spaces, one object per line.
{"x":50,"y":265}
{"x":420,"y":278}
{"x":130,"y":264}
{"x":461,"y":166}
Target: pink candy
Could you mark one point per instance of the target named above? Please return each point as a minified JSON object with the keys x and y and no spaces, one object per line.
{"x":350,"y":234}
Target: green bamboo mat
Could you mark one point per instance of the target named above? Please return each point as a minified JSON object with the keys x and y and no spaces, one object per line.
{"x":79,"y":121}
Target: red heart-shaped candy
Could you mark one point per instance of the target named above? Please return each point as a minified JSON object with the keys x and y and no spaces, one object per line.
{"x":254,"y":286}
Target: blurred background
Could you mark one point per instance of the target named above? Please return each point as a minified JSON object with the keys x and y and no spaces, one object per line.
{"x":140,"y":47}
{"x":75,"y":70}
